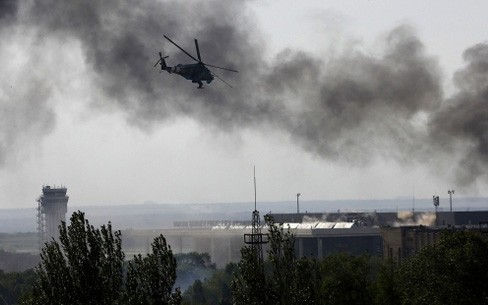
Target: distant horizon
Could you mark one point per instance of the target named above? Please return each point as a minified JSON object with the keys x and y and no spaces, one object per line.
{"x":163,"y":215}
{"x":312,"y":201}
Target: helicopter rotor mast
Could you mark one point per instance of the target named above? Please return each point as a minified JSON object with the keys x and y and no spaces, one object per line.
{"x":198,"y":51}
{"x":199,"y":60}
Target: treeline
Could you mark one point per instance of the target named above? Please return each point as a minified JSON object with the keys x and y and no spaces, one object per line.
{"x":87,"y":266}
{"x":454,"y":271}
{"x":16,"y":286}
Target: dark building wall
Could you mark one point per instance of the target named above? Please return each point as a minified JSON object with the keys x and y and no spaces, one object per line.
{"x":400,"y":243}
{"x":470,"y":218}
{"x":307,"y":247}
{"x":354,"y":245}
{"x":318,"y":247}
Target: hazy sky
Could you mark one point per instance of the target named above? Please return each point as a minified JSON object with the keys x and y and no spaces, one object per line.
{"x":334,"y":99}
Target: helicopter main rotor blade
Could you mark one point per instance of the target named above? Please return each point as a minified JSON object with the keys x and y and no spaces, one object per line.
{"x":213,"y":73}
{"x":198,"y":51}
{"x":221,"y":68}
{"x":181,"y":48}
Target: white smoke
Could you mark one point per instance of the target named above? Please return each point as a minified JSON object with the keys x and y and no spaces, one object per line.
{"x":408,"y":218}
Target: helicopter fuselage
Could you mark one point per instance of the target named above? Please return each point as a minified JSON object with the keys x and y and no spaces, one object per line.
{"x":197,"y":73}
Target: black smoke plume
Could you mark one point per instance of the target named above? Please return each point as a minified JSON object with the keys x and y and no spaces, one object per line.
{"x":352,"y":107}
{"x":8,"y":9}
{"x":462,"y":125}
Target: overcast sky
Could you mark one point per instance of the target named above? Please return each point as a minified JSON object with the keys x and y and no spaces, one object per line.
{"x":334,"y":100}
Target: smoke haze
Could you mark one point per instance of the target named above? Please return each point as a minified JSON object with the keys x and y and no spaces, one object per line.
{"x":352,"y":107}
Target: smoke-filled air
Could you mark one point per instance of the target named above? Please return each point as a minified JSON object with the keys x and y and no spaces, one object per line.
{"x":352,"y":107}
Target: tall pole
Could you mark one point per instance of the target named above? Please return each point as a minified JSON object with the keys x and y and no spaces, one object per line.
{"x":450,"y":192}
{"x":436,"y":204}
{"x":255,"y":198}
{"x":298,"y":204}
{"x":255,"y":239}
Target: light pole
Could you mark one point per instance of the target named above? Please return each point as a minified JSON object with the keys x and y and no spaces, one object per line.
{"x":298,"y":204}
{"x":436,"y":204}
{"x":450,"y":192}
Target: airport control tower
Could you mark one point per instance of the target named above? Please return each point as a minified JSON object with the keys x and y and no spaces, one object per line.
{"x":52,"y":206}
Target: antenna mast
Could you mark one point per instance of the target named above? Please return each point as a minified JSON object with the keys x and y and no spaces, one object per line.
{"x":255,"y":196}
{"x":255,"y":239}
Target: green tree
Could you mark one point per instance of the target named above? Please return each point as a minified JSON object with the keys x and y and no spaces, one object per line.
{"x":85,"y":267}
{"x":307,"y":281}
{"x":197,"y":294}
{"x":214,"y":290}
{"x":273,"y":282}
{"x":191,"y":267}
{"x":249,"y":285}
{"x":285,"y":279}
{"x":150,"y":279}
{"x":282,"y":259}
{"x":16,"y":286}
{"x":386,"y":284}
{"x":345,"y":280}
{"x":453,"y":271}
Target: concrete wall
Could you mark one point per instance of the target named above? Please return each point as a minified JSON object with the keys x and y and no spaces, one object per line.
{"x":400,"y":243}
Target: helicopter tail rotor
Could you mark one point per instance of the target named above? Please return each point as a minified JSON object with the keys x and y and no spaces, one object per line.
{"x":161,"y":62}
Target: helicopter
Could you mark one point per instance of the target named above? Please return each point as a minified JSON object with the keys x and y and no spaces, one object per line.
{"x":197,"y":73}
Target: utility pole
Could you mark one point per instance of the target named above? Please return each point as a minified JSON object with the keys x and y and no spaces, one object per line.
{"x":436,"y":204}
{"x":298,"y":204}
{"x":450,"y":192}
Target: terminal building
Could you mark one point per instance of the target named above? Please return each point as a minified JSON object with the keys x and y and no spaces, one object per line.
{"x":394,"y":235}
{"x":388,"y":235}
{"x":399,"y":235}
